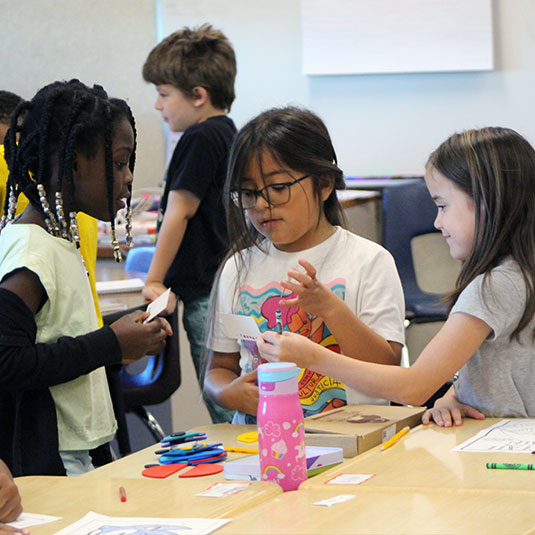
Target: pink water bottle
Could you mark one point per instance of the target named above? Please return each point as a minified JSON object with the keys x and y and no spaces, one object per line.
{"x":281,"y":431}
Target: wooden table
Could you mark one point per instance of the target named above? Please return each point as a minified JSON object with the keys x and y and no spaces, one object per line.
{"x":420,"y":487}
{"x":423,"y":460}
{"x":353,"y":197}
{"x":72,"y":497}
{"x":394,"y":511}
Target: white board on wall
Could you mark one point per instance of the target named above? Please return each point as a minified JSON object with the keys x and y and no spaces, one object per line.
{"x":394,"y":36}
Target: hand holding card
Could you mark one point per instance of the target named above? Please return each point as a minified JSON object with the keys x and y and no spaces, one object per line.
{"x":158,"y":305}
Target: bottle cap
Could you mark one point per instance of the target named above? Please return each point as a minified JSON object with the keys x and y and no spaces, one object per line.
{"x":273,"y":372}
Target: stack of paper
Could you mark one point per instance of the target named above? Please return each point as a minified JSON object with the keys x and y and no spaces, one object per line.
{"x":119,"y":286}
{"x":318,"y":460}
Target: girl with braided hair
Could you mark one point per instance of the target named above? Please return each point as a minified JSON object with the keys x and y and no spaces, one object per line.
{"x":75,"y":153}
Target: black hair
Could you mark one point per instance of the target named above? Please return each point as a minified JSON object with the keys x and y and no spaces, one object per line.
{"x":8,"y":102}
{"x":297,"y":139}
{"x":61,"y":119}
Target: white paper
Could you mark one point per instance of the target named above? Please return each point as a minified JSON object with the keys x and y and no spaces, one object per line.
{"x":335,"y":499}
{"x":349,"y":479}
{"x":241,"y":327}
{"x":119,"y":286}
{"x":507,"y":436}
{"x":158,"y":305}
{"x":26,"y":520}
{"x":95,"y":524}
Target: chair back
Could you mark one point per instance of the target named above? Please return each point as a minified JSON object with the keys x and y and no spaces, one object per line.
{"x":160,"y":377}
{"x":408,"y":211}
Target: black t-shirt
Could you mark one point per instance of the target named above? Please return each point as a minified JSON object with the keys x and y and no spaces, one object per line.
{"x":199,"y":165}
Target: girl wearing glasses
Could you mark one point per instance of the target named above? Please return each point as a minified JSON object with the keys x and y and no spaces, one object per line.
{"x":284,"y":222}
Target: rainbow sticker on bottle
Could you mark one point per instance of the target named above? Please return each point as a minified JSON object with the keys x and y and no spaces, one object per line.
{"x":272,"y":472}
{"x":300,"y":425}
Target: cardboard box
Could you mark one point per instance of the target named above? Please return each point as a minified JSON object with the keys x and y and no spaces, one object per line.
{"x":357,"y":428}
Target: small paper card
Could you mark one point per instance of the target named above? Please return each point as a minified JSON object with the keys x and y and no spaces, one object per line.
{"x":241,"y":327}
{"x":349,"y":479}
{"x":158,"y":305}
{"x":220,"y":490}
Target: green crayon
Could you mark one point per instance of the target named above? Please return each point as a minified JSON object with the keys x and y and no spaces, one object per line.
{"x":511,"y":466}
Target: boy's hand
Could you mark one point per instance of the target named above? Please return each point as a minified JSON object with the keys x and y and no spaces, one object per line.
{"x":153,"y":290}
{"x":448,"y":409}
{"x":312,"y":296}
{"x":138,"y":339}
{"x":10,"y":503}
{"x":242,"y":393}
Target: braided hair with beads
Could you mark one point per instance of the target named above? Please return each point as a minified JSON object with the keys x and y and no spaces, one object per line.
{"x":63,"y":118}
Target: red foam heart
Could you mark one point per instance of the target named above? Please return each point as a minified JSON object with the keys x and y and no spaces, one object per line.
{"x":203,"y":470}
{"x":162,"y":471}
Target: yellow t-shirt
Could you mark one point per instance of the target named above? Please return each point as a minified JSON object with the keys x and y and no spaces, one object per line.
{"x":87,"y":227}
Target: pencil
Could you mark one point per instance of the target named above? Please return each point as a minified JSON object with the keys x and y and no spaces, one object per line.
{"x":122,"y":493}
{"x":395,"y":438}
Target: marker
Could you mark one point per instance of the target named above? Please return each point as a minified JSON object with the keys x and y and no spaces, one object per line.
{"x":511,"y":466}
{"x":278,"y":318}
{"x":395,"y":438}
{"x":122,"y":493}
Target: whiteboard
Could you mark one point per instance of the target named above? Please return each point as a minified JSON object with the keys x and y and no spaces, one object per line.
{"x":394,"y":36}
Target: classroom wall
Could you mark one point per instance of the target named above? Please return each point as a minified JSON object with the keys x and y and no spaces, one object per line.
{"x":101,"y":41}
{"x":379,"y":123}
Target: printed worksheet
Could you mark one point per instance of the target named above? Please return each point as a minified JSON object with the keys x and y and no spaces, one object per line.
{"x":95,"y":524}
{"x":507,"y":436}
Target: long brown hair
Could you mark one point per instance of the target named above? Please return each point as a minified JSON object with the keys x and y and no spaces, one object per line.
{"x":496,"y":168}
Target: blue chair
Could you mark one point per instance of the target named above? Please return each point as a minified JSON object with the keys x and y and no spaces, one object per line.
{"x":151,"y":380}
{"x":139,"y":258}
{"x":407,"y":212}
{"x":155,"y":383}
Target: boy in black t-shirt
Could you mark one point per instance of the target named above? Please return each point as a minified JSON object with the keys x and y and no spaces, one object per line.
{"x":193,"y":71}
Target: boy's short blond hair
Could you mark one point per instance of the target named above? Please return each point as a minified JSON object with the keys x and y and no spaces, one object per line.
{"x":193,"y":57}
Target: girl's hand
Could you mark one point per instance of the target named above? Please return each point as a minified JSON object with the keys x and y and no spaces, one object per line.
{"x":242,"y":393}
{"x":312,"y":296}
{"x":448,"y":409}
{"x":10,"y":503}
{"x":153,"y":290}
{"x":138,"y":339}
{"x":286,"y":347}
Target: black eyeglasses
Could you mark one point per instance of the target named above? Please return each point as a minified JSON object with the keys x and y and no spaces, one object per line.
{"x":274,"y":194}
